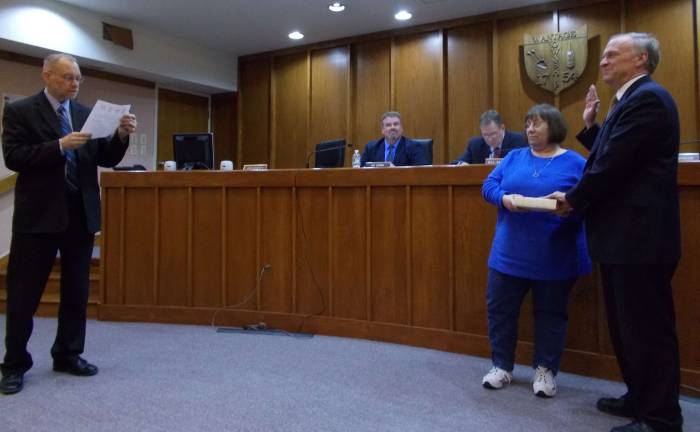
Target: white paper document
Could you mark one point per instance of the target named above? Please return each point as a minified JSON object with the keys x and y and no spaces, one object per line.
{"x":104,"y":119}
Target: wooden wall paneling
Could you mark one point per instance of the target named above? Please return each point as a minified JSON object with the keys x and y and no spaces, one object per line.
{"x":241,"y":264}
{"x":138,"y":249}
{"x":329,"y":96}
{"x":389,"y":243}
{"x":516,"y":93}
{"x":372,"y":90}
{"x":291,"y":102}
{"x":179,"y":113}
{"x":585,"y":302}
{"x":224,"y":125}
{"x":673,"y":24}
{"x":469,"y":83}
{"x":686,"y":282}
{"x":348,"y":254}
{"x":172,"y":247}
{"x":430,"y":272}
{"x":419,"y":88}
{"x":312,"y":263}
{"x":111,"y":250}
{"x":603,"y":21}
{"x":206,"y":247}
{"x":254,"y":114}
{"x":474,"y":225}
{"x":276,"y":248}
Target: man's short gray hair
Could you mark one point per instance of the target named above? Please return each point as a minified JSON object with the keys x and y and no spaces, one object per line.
{"x":389,"y":114}
{"x":645,"y":43}
{"x":490,"y":116}
{"x":51,"y":59}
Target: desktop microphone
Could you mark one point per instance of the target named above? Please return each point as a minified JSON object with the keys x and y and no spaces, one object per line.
{"x":313,"y":152}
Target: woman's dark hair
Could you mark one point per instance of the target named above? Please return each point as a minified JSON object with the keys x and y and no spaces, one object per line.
{"x":554,"y":119}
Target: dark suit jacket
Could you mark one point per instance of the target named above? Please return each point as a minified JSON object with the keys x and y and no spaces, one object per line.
{"x":408,"y":152}
{"x":628,"y":193}
{"x":30,"y":136}
{"x":477,"y":150}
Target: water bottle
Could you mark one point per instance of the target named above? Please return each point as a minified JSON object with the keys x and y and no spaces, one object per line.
{"x":356,"y":159}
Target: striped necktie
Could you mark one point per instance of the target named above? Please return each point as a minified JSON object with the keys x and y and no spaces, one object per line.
{"x":72,"y":181}
{"x":390,"y":153}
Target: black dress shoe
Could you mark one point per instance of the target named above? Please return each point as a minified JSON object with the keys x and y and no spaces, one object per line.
{"x":11,"y":383}
{"x":77,"y":366}
{"x":615,"y":406}
{"x":635,"y":426}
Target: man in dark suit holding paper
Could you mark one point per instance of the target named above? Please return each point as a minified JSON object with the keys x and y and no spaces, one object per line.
{"x":629,"y":199}
{"x":494,"y":142}
{"x":57,"y":208}
{"x":393,"y":146}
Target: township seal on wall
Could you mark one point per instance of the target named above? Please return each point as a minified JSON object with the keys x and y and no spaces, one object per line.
{"x":554,"y":61}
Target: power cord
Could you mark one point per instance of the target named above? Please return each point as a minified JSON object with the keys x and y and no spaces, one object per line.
{"x":234,"y":307}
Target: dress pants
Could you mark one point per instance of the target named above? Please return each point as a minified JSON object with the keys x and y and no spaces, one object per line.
{"x":32,"y":256}
{"x":641,"y":318}
{"x":550,"y":298}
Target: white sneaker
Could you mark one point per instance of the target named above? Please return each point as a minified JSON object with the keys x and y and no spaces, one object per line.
{"x":496,"y":378}
{"x":543,"y":383}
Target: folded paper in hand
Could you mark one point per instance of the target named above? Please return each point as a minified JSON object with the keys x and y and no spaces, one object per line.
{"x":104,"y":119}
{"x":538,"y":204}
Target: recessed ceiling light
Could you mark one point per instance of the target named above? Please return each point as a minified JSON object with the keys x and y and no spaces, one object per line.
{"x":295,"y":35}
{"x":403,"y":15}
{"x":336,"y":7}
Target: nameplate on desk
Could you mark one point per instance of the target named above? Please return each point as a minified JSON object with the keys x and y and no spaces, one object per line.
{"x":492,"y":161}
{"x":255,"y":167}
{"x":688,"y":157}
{"x":379,"y":164}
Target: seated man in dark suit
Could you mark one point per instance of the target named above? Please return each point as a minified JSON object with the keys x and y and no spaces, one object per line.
{"x":494,"y":142}
{"x":394,"y":147}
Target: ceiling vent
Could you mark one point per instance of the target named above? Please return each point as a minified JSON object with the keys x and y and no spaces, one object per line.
{"x":118,"y":35}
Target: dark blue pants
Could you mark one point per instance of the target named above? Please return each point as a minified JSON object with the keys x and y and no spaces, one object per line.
{"x":550,"y":299}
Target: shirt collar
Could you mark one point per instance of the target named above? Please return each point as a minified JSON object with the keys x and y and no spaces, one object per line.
{"x":621,"y":91}
{"x":55,"y":103}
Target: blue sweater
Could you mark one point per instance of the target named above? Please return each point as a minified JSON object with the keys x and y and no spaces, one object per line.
{"x":535,"y":245}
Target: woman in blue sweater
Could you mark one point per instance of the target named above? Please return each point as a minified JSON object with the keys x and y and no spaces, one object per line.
{"x":533,"y":251}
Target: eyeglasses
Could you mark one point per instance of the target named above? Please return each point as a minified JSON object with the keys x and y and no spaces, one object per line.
{"x":70,"y":78}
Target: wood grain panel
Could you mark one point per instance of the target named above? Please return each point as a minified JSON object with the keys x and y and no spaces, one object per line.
{"x":206,"y":247}
{"x":348,"y":253}
{"x":673,"y":24}
{"x":372,"y":88}
{"x":290,"y":99}
{"x":111,"y":253}
{"x":254,"y":110}
{"x":241,"y":266}
{"x":686,"y":282}
{"x":603,"y":21}
{"x":389,"y":242}
{"x":312,"y":260}
{"x":173,"y":226}
{"x":516,"y":94}
{"x":276,"y":246}
{"x":179,"y":113}
{"x":419,"y":88}
{"x":329,"y":96}
{"x":469,"y":83}
{"x":474,"y":224}
{"x":430,"y":270}
{"x":224,"y":125}
{"x":139,"y":221}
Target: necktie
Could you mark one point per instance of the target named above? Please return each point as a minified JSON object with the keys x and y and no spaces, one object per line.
{"x":613,"y":102}
{"x":72,"y":181}
{"x":390,"y":153}
{"x":496,"y":153}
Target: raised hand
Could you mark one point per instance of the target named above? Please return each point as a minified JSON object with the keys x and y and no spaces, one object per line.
{"x":592,"y":106}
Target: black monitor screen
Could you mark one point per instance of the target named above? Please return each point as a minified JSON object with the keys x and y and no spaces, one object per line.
{"x":194,"y":151}
{"x":330,"y":154}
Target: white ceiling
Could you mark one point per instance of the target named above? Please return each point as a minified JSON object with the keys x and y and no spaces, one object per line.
{"x":244,"y":27}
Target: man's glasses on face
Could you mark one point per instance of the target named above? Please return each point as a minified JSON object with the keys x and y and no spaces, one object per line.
{"x":70,"y":78}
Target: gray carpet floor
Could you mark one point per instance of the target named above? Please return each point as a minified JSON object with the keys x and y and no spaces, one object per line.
{"x":156,"y":377}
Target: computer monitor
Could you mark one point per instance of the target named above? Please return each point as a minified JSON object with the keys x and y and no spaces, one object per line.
{"x":194,"y":151}
{"x":330,"y":154}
